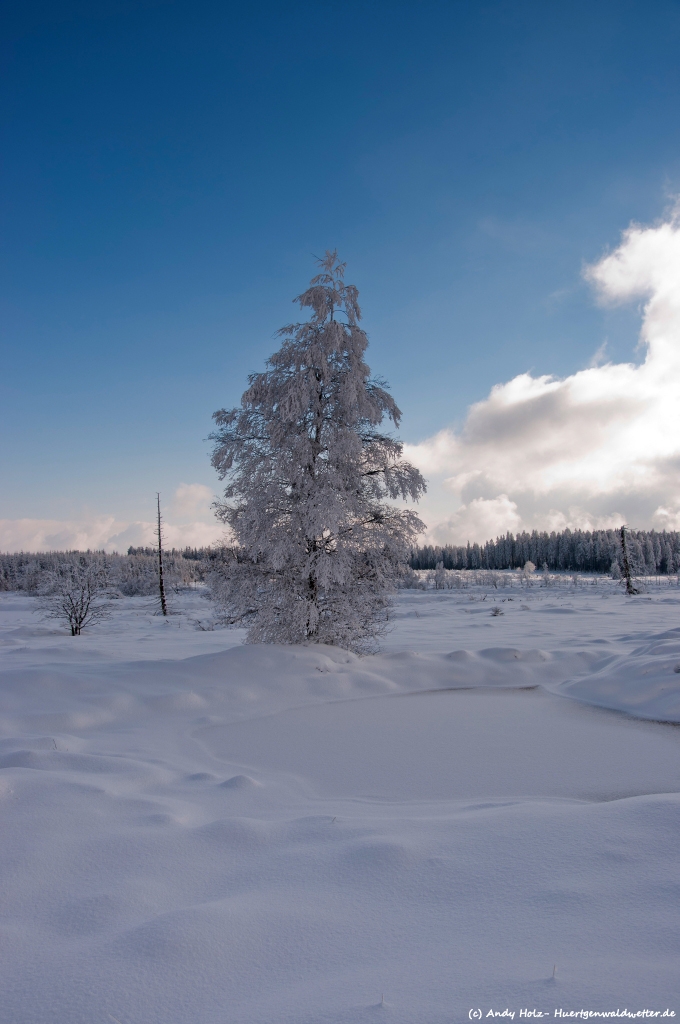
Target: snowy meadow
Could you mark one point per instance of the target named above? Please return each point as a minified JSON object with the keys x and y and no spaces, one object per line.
{"x":483,"y":815}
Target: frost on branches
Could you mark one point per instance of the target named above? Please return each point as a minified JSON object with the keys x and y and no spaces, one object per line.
{"x":319,"y":547}
{"x":74,"y":593}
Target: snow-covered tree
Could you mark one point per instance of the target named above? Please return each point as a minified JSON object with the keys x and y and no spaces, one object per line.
{"x":312,"y":481}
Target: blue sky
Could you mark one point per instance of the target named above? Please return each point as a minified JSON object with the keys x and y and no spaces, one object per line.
{"x":171,"y":167}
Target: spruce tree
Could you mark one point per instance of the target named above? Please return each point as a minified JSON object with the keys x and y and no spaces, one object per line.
{"x":311,"y":484}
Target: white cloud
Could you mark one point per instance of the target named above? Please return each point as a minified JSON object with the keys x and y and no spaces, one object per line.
{"x":598,"y":447}
{"x":196,"y":534}
{"x":666,"y":518}
{"x":480,"y":519}
{"x":102,"y":533}
{"x":192,"y":500}
{"x":599,"y":357}
{"x":190,"y":523}
{"x":56,"y":535}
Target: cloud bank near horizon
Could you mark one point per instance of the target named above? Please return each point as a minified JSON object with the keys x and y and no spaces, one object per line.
{"x":188,"y":522}
{"x":589,"y":451}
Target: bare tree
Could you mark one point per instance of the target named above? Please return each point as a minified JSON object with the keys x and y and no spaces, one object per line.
{"x":74,"y":593}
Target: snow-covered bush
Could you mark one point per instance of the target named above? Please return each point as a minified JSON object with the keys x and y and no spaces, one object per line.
{"x":319,"y":547}
{"x":411,"y":580}
{"x":441,"y":577}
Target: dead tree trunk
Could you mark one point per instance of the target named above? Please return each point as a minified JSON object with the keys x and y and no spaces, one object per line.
{"x":159,"y":531}
{"x":630,"y":589}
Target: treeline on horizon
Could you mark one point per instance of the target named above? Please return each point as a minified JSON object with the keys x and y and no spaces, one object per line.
{"x":132,"y":574}
{"x":649,"y":552}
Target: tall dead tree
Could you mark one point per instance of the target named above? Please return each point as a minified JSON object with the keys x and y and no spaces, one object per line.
{"x":159,"y":533}
{"x":630,"y":589}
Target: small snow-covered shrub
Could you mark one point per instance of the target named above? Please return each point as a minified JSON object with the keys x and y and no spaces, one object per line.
{"x":411,"y":580}
{"x":441,"y":577}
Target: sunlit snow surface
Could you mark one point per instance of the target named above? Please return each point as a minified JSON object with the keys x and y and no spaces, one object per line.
{"x":195,"y":831}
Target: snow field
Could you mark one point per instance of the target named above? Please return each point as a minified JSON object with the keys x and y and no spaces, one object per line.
{"x":195,"y":831}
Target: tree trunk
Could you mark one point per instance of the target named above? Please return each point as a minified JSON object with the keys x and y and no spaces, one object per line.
{"x":630,"y":589}
{"x":164,"y":607}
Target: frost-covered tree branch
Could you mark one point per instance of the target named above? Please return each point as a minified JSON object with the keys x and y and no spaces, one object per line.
{"x":308,"y":481}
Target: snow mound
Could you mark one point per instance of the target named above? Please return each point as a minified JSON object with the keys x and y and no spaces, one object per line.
{"x":428,"y":746}
{"x":644,"y":682}
{"x":239,"y":782}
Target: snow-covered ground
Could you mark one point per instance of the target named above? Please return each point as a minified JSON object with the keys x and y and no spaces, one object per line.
{"x":195,"y":831}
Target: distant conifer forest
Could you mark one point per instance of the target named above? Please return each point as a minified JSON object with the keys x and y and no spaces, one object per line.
{"x":649,"y":552}
{"x":135,"y":572}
